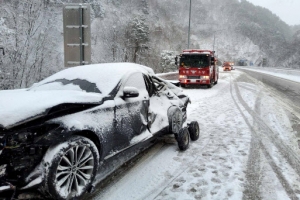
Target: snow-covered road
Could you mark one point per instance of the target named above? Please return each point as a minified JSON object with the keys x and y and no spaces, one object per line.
{"x":248,"y":149}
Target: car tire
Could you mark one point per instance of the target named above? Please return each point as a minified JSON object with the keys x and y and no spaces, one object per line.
{"x":175,"y":119}
{"x":183,"y":139}
{"x":194,"y":130}
{"x":70,"y":168}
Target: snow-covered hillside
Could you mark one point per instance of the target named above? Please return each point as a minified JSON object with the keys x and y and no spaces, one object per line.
{"x":140,"y":31}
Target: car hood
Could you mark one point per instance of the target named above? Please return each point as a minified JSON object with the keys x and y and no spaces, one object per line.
{"x":18,"y":106}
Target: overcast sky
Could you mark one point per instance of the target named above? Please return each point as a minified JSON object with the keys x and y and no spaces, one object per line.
{"x":287,"y":10}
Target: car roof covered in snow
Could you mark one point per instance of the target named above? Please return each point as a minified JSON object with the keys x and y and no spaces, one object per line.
{"x":105,"y":76}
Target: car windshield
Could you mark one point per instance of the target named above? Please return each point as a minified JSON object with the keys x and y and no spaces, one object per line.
{"x":194,"y":61}
{"x":64,"y":84}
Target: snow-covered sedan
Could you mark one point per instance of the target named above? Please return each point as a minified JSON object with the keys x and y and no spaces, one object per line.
{"x":69,"y":131}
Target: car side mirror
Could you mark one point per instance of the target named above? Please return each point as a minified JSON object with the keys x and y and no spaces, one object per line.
{"x":176,"y":60}
{"x":129,"y":92}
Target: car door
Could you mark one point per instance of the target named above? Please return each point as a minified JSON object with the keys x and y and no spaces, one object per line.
{"x":131,"y":112}
{"x":160,"y":101}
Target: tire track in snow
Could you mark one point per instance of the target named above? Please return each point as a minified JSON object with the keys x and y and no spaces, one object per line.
{"x":155,"y":185}
{"x":252,"y":174}
{"x":167,"y":183}
{"x":253,"y":164}
{"x":290,"y":106}
{"x":286,"y":151}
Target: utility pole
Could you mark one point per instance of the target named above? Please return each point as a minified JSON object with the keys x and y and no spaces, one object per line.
{"x":189,"y":31}
{"x":214,"y":41}
{"x":2,"y":48}
{"x":1,"y":62}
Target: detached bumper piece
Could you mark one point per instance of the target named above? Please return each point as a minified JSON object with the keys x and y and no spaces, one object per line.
{"x":7,"y":190}
{"x":4,"y":185}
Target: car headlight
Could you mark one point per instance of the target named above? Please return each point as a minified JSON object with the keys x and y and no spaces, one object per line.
{"x":24,"y":136}
{"x":16,"y":139}
{"x":182,"y":76}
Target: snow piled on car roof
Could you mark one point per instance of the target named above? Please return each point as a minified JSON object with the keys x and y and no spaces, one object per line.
{"x":16,"y":106}
{"x":106,"y":75}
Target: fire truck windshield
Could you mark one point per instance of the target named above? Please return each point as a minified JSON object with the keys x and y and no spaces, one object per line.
{"x":199,"y":61}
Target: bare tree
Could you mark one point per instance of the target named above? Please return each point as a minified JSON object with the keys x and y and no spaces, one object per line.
{"x":29,"y":44}
{"x":137,"y":35}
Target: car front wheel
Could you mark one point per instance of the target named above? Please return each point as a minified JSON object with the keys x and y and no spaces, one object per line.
{"x":175,"y":119}
{"x":70,"y":168}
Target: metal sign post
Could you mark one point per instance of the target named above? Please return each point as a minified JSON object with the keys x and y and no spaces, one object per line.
{"x":189,"y":31}
{"x":77,"y":34}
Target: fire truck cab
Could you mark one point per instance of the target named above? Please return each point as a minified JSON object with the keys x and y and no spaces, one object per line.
{"x":197,"y":67}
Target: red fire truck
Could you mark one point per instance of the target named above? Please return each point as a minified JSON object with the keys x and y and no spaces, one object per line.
{"x":197,"y":67}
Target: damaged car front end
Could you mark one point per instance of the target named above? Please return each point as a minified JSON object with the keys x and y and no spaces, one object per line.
{"x":22,"y":149}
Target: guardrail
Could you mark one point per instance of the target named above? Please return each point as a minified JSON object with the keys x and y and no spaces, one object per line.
{"x":169,"y":75}
{"x":287,"y":71}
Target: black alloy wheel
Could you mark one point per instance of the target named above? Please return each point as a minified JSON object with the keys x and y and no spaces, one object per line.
{"x":175,"y":120}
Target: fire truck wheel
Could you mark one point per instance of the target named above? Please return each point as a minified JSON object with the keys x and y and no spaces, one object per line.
{"x":194,"y":130}
{"x":211,"y":84}
{"x":182,"y":85}
{"x":216,"y":82}
{"x":183,"y":138}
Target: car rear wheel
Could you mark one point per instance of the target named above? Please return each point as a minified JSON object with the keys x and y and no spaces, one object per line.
{"x":183,"y":139}
{"x":71,"y":167}
{"x":175,"y":120}
{"x":194,"y":130}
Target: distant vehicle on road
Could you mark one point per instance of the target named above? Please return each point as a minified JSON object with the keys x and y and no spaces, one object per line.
{"x":226,"y":66}
{"x":57,"y":135}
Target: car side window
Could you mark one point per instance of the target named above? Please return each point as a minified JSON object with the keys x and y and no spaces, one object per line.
{"x":149,"y":85}
{"x":136,"y":80}
{"x":159,"y":85}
